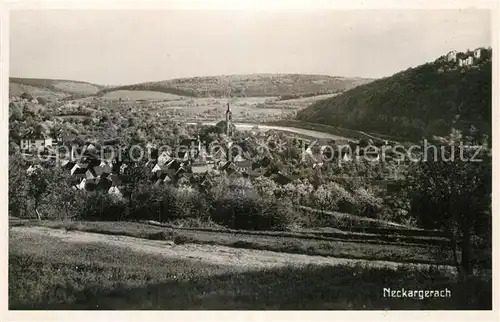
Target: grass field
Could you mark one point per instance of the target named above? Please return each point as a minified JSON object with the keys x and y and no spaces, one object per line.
{"x":16,"y":89}
{"x":351,"y":246}
{"x":47,"y":273}
{"x":58,"y":85}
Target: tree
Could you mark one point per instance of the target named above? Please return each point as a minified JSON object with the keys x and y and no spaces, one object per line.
{"x":15,"y":112}
{"x":60,"y":200}
{"x":135,"y":176}
{"x":455,"y":196}
{"x":41,"y":100}
{"x":27,"y":96}
{"x":265,"y":187}
{"x":19,"y":198}
{"x":322,"y":198}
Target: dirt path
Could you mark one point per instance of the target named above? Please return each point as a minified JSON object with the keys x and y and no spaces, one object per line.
{"x":214,"y":254}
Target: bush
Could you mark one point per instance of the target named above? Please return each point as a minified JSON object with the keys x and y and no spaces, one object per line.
{"x":250,"y":213}
{"x":103,"y":206}
{"x":147,"y":203}
{"x":163,"y":203}
{"x":366,"y":204}
{"x":41,"y":101}
{"x":27,"y":96}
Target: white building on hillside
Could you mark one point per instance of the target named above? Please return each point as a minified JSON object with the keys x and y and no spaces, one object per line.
{"x":452,"y":56}
{"x":477,"y":53}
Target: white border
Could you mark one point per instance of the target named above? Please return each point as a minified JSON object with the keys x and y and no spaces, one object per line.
{"x":6,"y":6}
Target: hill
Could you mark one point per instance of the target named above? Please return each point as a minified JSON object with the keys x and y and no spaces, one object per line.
{"x":421,"y":101}
{"x":140,"y":95}
{"x":16,"y":89}
{"x":288,"y":85}
{"x":52,"y":87}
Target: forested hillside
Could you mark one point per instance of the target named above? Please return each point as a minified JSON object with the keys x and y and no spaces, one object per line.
{"x":422,"y":101}
{"x":287,"y":85}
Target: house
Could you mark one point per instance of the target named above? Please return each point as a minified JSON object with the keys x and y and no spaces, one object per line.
{"x":203,"y":156}
{"x":281,"y":178}
{"x":219,"y":155}
{"x":103,"y":184}
{"x":107,"y":156}
{"x":81,"y":185}
{"x":79,"y":169}
{"x":477,"y":53}
{"x":184,"y":180}
{"x":91,"y":184}
{"x":106,"y":163}
{"x":89,"y":146}
{"x":164,"y":158}
{"x":165,"y":177}
{"x":90,"y":173}
{"x":100,"y":170}
{"x":257,"y":172}
{"x":270,"y":172}
{"x":180,"y":172}
{"x":123,"y":166}
{"x":183,"y":155}
{"x":451,"y":56}
{"x":243,"y":166}
{"x":469,"y":61}
{"x":116,"y":180}
{"x":234,"y":176}
{"x":307,"y":154}
{"x":158,"y":167}
{"x":198,"y":168}
{"x":115,"y":191}
{"x":67,"y":165}
{"x":173,"y":164}
{"x":228,"y":167}
{"x":238,"y":158}
{"x":206,"y":184}
{"x":346,"y":158}
{"x":33,"y":168}
{"x":91,"y":161}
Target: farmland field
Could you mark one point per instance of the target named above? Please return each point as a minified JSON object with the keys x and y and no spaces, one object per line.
{"x":139,"y":95}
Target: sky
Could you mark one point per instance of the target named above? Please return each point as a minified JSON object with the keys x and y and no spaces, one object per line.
{"x":113,"y":47}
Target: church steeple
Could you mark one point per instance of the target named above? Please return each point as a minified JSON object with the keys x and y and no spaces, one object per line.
{"x":228,"y":120}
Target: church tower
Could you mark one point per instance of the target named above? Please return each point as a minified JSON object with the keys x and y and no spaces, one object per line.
{"x":228,"y":120}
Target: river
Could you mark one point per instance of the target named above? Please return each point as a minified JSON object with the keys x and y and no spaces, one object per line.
{"x":295,"y":130}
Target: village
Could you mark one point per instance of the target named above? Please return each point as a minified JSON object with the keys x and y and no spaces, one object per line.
{"x":191,"y":164}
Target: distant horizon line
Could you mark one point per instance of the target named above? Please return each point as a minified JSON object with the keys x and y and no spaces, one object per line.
{"x":188,"y":77}
{"x":242,"y":74}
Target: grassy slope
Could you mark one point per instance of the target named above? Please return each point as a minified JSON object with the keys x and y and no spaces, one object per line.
{"x":250,"y":85}
{"x":46,"y":273}
{"x":352,"y":246}
{"x":418,"y":101}
{"x":16,"y":89}
{"x":140,"y":95}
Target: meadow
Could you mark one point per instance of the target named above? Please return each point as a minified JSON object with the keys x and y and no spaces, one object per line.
{"x":48,"y":273}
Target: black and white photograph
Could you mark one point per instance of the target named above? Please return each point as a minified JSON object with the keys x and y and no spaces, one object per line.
{"x":249,"y":159}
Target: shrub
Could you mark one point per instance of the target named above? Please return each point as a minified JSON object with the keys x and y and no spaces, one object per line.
{"x":103,"y":206}
{"x":366,"y":204}
{"x":163,"y":203}
{"x":41,"y":100}
{"x":250,"y":213}
{"x":148,"y":203}
{"x":27,"y":96}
